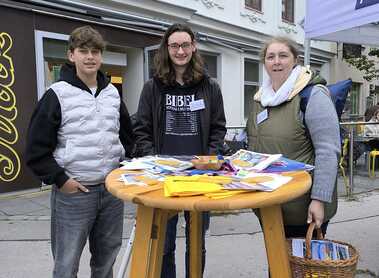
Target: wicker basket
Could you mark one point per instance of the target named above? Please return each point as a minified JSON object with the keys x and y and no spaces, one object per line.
{"x":308,"y":268}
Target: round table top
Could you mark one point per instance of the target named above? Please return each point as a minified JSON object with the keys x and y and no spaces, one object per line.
{"x":152,"y":196}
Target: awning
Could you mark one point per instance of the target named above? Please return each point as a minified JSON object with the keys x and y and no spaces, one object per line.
{"x":91,"y":15}
{"x":350,"y":21}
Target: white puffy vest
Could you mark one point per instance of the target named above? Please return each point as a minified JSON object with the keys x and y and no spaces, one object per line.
{"x":88,"y":138}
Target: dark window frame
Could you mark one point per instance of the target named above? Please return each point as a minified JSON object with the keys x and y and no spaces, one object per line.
{"x":253,"y":84}
{"x":288,"y":14}
{"x":254,"y":5}
{"x":351,"y":50}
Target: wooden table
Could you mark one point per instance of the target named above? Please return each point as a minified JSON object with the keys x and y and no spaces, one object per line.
{"x":154,"y":210}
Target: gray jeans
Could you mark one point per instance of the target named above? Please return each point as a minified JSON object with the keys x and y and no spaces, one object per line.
{"x":96,"y":215}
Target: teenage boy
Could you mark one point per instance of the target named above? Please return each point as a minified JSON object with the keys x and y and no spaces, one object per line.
{"x":180,"y":112}
{"x":78,"y":133}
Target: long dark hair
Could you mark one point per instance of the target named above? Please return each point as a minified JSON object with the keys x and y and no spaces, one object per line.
{"x":164,"y":69}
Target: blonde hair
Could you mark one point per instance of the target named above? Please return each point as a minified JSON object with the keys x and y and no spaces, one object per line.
{"x":291,"y":44}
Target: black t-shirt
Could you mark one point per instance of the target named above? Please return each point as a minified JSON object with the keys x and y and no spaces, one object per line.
{"x":181,"y":135}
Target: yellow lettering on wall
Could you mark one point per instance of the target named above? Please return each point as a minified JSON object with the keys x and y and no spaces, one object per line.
{"x":9,"y":159}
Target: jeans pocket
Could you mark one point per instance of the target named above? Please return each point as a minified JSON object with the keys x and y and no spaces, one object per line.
{"x":77,"y":208}
{"x":68,"y":194}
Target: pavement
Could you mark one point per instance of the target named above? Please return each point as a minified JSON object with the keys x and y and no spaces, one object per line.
{"x":235,"y":246}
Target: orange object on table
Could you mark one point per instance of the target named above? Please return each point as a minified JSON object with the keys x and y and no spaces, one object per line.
{"x":154,"y":210}
{"x":207,"y":163}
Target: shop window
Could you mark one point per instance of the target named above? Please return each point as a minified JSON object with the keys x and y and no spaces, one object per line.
{"x":54,"y":56}
{"x":352,"y":101}
{"x":210,"y":62}
{"x":254,"y":4}
{"x":54,"y":53}
{"x":150,"y":62}
{"x":251,"y":84}
{"x":288,"y":13}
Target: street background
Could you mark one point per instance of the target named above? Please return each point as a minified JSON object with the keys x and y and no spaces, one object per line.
{"x":235,"y":246}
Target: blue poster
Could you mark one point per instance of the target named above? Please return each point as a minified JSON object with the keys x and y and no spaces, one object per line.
{"x":365,"y":3}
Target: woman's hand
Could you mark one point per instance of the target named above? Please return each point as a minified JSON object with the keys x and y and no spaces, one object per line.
{"x":72,"y":186}
{"x":316,"y":212}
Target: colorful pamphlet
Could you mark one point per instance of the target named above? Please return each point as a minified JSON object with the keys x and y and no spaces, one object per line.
{"x":321,"y":249}
{"x":258,"y":181}
{"x":284,"y":164}
{"x":157,"y":164}
{"x":252,"y":161}
{"x":141,"y":179}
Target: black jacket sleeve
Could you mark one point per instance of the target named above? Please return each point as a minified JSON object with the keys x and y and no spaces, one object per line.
{"x":217,"y":121}
{"x":143,"y":128}
{"x":127,"y":137}
{"x":42,"y":140}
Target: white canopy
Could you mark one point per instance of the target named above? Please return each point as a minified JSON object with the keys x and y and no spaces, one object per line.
{"x":350,"y":21}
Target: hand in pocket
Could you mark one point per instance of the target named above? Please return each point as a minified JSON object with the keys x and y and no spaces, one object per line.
{"x":72,"y":186}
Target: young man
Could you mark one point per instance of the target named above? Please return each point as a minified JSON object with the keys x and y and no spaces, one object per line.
{"x":78,"y":133}
{"x":180,"y":112}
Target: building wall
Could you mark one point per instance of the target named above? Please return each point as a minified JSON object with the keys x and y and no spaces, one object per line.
{"x":230,"y":20}
{"x":237,"y":34}
{"x":19,"y":79}
{"x":134,"y":77}
{"x":18,"y":93}
{"x":343,"y":70}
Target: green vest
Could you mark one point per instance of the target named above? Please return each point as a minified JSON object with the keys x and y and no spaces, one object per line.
{"x":284,"y":132}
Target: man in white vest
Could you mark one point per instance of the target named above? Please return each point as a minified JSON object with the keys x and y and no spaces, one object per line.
{"x":79,"y":132}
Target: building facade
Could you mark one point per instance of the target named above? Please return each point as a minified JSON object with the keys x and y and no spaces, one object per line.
{"x":230,"y":35}
{"x":363,"y":93}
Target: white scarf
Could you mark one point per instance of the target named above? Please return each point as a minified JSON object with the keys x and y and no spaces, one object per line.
{"x":271,"y":98}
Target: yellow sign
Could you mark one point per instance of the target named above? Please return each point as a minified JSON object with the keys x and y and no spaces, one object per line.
{"x":9,"y":159}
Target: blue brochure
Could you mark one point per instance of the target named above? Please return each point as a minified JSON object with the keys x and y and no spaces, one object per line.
{"x":287,"y":165}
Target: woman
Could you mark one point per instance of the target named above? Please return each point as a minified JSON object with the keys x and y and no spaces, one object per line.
{"x":277,"y":125}
{"x":180,"y":112}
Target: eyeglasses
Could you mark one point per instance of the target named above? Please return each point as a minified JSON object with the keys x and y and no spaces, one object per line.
{"x":185,"y":46}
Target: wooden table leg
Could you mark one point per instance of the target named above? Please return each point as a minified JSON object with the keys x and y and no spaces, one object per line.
{"x":276,"y":248}
{"x":158,"y":240}
{"x":196,"y":223}
{"x":141,"y":246}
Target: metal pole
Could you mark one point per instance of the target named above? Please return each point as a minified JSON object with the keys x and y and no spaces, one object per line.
{"x":351,"y":157}
{"x":126,"y":258}
{"x":307,"y":52}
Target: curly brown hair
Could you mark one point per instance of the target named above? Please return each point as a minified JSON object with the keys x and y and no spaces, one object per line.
{"x":164,"y":69}
{"x":86,"y":36}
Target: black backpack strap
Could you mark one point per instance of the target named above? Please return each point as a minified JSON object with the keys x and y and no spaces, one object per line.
{"x":304,"y":97}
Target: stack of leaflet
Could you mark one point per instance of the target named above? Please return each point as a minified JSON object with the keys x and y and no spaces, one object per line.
{"x":217,"y":187}
{"x":141,"y":178}
{"x":252,"y":161}
{"x":245,"y":162}
{"x":321,"y":249}
{"x":259,"y":182}
{"x":245,"y":171}
{"x":157,"y":164}
{"x":287,"y":165}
